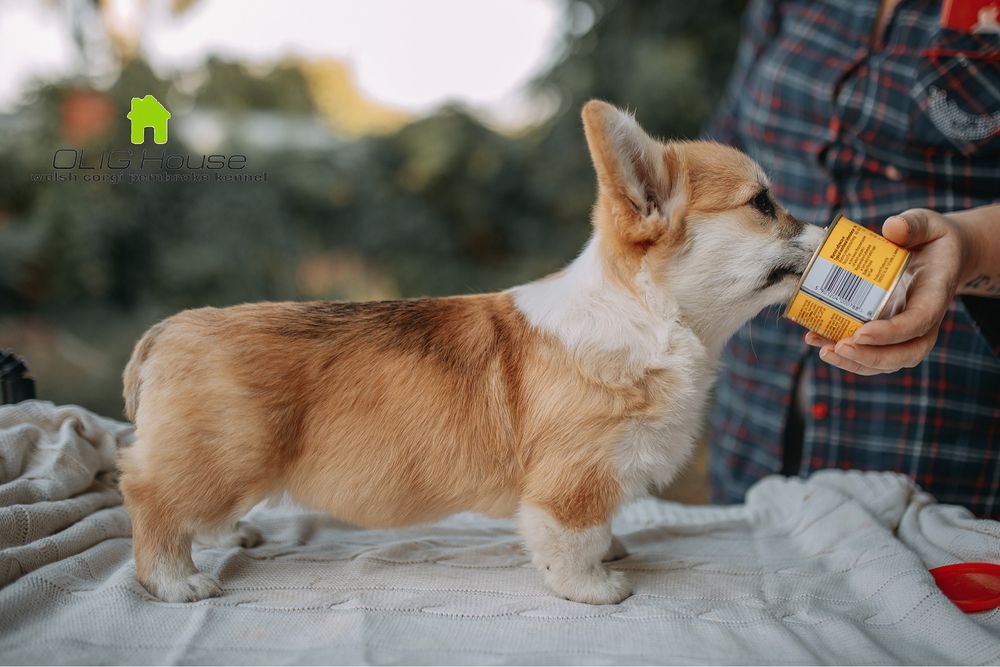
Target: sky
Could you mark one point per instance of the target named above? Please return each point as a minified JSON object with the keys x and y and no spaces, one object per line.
{"x":411,"y":55}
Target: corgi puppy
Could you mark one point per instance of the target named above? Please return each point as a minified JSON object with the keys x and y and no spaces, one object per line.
{"x":555,"y":401}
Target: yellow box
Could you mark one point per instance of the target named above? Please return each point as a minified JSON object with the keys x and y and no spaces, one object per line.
{"x":848,"y":281}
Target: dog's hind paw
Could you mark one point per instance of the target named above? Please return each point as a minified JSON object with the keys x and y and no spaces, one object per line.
{"x":191,"y":588}
{"x":597,"y":585}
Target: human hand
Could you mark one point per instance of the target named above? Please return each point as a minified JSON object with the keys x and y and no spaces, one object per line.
{"x":939,"y":253}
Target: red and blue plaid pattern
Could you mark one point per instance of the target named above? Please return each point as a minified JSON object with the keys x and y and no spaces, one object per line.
{"x":845,"y":120}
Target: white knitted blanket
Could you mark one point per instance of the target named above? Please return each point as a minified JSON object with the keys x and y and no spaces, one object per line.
{"x":828,"y":570}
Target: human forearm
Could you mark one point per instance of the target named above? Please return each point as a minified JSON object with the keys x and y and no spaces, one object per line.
{"x":981,"y":270}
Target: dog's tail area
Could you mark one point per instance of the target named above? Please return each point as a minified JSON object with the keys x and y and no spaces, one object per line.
{"x":131,"y":379}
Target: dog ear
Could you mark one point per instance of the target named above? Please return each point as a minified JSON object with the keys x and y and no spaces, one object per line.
{"x":641,"y":176}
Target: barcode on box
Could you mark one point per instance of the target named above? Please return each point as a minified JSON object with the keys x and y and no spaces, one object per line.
{"x":845,"y":285}
{"x":845,"y":290}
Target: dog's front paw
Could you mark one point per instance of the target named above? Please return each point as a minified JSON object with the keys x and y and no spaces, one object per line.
{"x":616,"y":551}
{"x":595,"y":585}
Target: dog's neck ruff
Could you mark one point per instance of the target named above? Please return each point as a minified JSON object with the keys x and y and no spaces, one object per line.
{"x":586,"y":311}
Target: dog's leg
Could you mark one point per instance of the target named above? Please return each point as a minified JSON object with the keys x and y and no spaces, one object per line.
{"x":165,"y":514}
{"x":163,"y":560}
{"x":239,"y":535}
{"x":570,"y":558}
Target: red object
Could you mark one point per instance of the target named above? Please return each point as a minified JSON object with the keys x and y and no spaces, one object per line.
{"x":86,"y":114}
{"x":970,"y":15}
{"x":971,"y":586}
{"x":819,"y":411}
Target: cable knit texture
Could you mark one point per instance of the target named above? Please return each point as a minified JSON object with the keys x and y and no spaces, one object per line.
{"x":832,"y":569}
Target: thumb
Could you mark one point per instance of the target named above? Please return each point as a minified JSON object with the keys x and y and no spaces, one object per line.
{"x":911,"y":228}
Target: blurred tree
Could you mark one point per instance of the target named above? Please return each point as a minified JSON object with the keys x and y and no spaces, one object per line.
{"x":667,"y":60}
{"x":232,"y":88}
{"x":331,"y":84}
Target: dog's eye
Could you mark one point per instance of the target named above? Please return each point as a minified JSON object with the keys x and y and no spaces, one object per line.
{"x":762,"y":202}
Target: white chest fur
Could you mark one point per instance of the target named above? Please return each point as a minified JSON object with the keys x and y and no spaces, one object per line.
{"x":657,"y":447}
{"x":586,"y":311}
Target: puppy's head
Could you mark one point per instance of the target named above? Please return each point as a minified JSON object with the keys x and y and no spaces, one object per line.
{"x":691,"y":222}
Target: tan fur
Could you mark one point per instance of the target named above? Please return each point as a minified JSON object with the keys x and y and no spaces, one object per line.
{"x":385,"y":414}
{"x":391,"y":413}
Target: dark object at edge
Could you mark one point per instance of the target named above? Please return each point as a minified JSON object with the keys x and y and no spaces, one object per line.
{"x":14,"y":387}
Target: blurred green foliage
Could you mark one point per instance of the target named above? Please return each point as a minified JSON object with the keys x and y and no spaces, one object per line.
{"x":444,"y":205}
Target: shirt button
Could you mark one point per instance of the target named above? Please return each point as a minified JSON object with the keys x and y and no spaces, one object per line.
{"x":892,"y":173}
{"x":819,"y":411}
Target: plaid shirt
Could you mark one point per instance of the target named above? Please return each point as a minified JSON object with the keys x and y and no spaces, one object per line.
{"x":847,"y":123}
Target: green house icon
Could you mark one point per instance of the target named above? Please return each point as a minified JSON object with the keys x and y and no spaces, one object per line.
{"x":148,"y":112}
